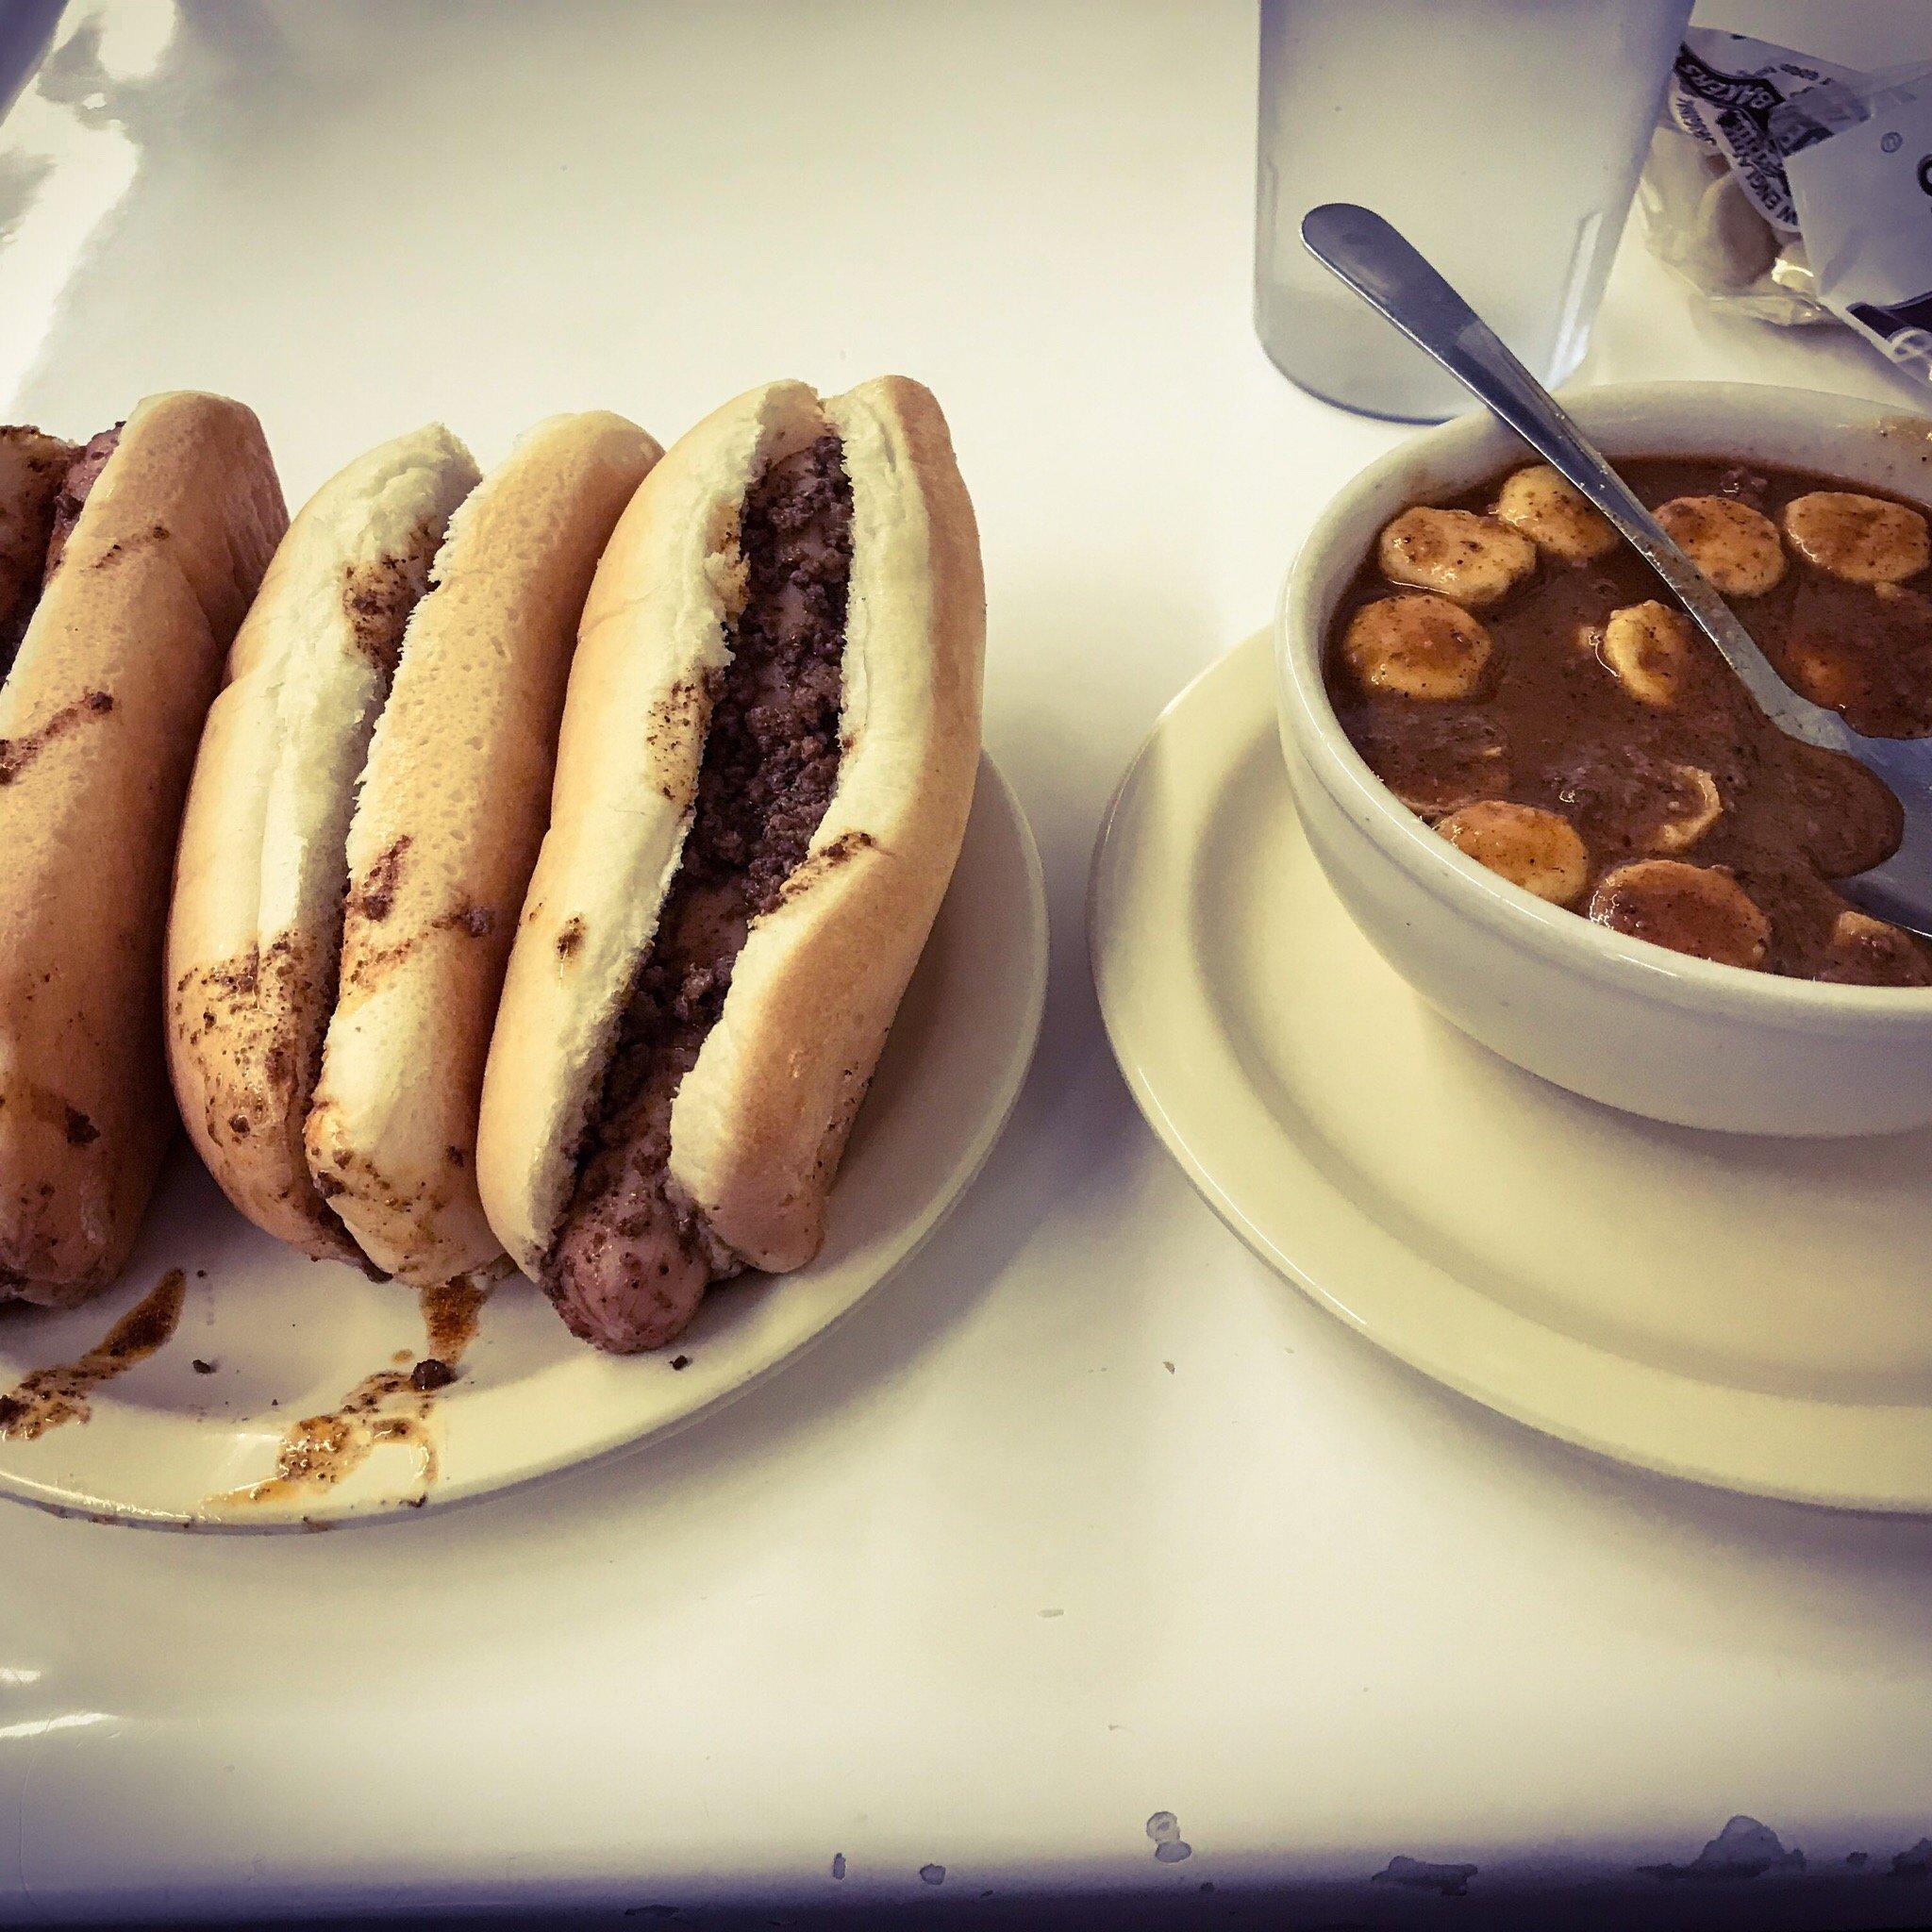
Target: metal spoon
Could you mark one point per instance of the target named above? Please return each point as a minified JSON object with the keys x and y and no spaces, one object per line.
{"x":1389,"y":273}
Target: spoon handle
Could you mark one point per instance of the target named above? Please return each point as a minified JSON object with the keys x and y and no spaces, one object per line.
{"x":1381,"y":267}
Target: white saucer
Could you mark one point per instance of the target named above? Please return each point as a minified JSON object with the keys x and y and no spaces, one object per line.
{"x":1751,"y":1313}
{"x":288,"y":1337}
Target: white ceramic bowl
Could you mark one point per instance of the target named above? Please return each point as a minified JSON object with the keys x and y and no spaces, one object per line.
{"x":1614,"y":1018}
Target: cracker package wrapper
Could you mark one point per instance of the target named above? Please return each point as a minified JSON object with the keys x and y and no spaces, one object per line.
{"x":1794,"y":190}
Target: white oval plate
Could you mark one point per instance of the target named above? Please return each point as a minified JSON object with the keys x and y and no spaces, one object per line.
{"x":289,"y":1337}
{"x":1745,"y":1312}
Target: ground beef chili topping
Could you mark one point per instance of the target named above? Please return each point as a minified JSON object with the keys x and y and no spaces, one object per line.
{"x":53,"y":478}
{"x":771,"y":754}
{"x":13,"y":624}
{"x":83,"y":473}
{"x":770,"y":764}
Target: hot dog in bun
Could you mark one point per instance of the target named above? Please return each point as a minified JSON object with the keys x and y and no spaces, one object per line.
{"x":126,"y":565}
{"x":365,"y":811}
{"x":767,"y":758}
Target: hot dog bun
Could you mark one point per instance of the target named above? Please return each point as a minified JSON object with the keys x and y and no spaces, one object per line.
{"x":760,"y":1118}
{"x":99,"y":718}
{"x":445,"y":833}
{"x":255,"y":932}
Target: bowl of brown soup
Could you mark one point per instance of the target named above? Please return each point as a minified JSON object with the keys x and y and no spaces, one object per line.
{"x":1550,"y":804}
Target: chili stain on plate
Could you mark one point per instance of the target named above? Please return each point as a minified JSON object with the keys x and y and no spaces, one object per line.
{"x":392,"y":1406}
{"x":450,"y":1312}
{"x":51,"y":1396}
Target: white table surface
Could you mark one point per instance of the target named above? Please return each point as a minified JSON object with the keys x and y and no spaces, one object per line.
{"x":1088,"y":1516}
